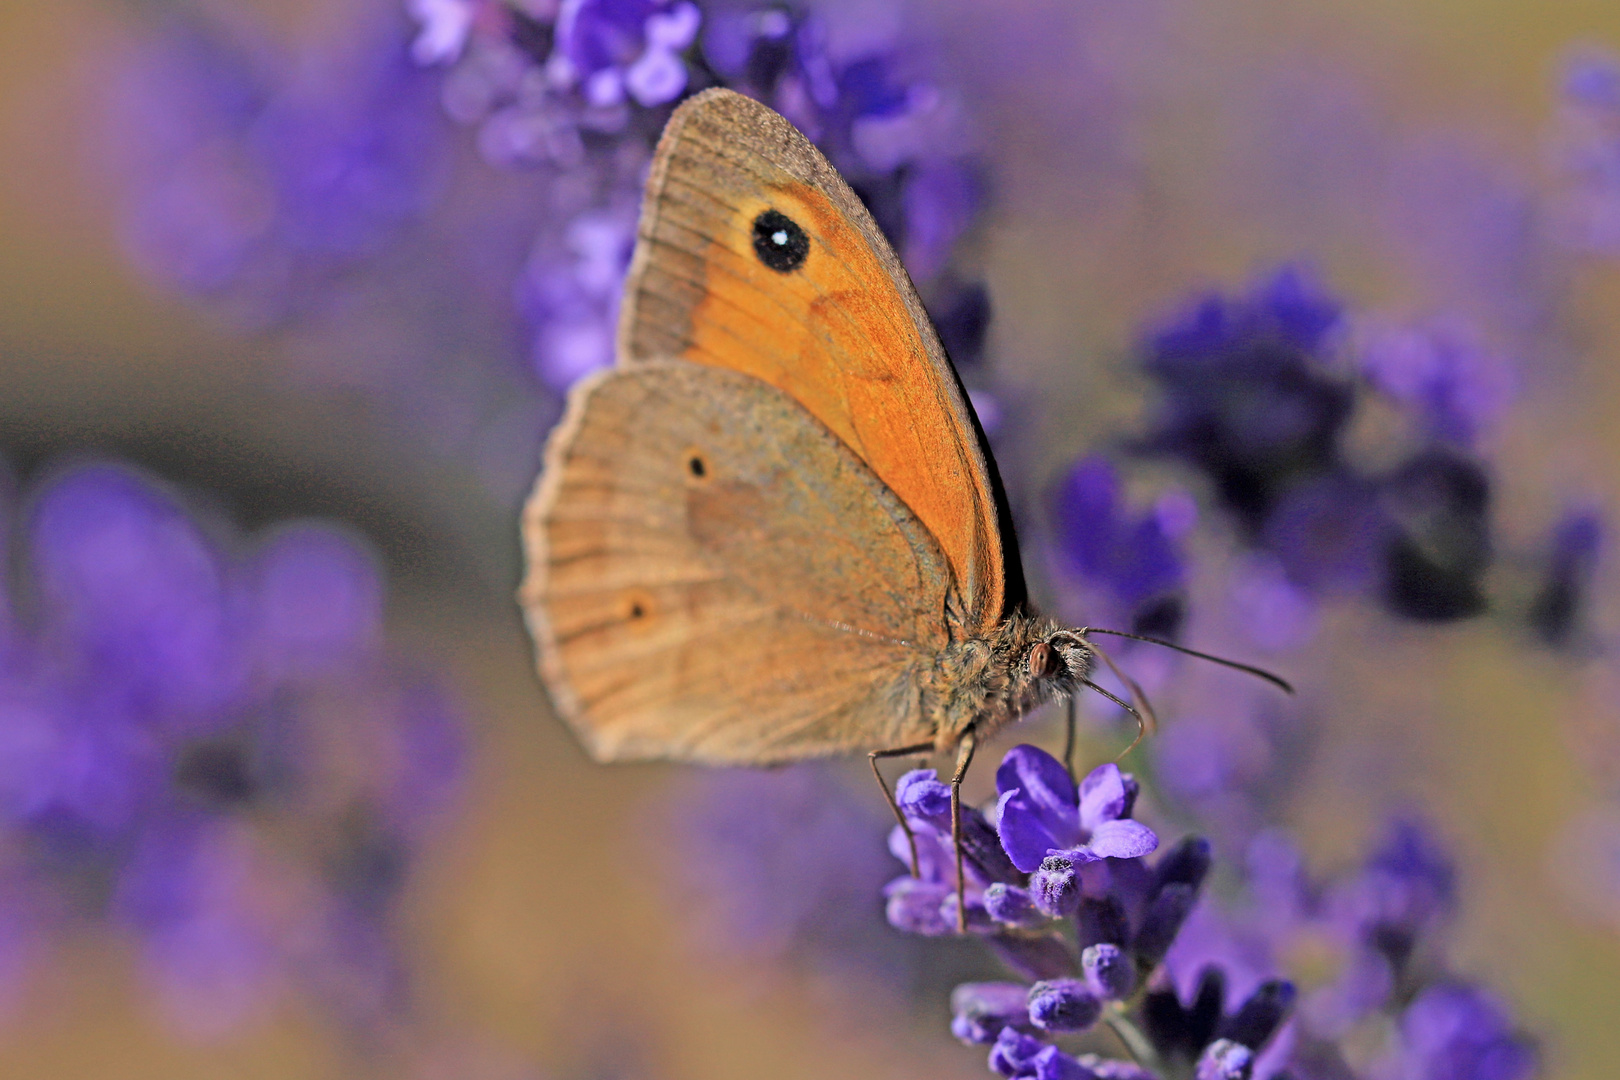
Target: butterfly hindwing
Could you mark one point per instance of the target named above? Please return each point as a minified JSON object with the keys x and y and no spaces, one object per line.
{"x":754,"y":255}
{"x":714,"y":576}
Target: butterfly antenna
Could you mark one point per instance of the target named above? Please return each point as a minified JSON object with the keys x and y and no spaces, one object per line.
{"x":1259,"y":673}
{"x":1147,"y":721}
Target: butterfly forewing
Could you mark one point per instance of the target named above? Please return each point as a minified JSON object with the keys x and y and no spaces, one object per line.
{"x":754,"y":255}
{"x":714,"y":576}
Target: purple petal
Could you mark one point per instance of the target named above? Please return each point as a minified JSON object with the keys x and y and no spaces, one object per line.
{"x":1023,"y":831}
{"x":1037,"y":808}
{"x":1123,"y":839}
{"x":914,"y":907}
{"x":922,"y":798}
{"x":1054,"y":1064}
{"x":1042,"y":778}
{"x":1102,"y":796}
{"x":981,"y":1010}
{"x":1013,"y":1055}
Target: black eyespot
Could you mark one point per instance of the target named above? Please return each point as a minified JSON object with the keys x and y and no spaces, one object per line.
{"x":695,"y":465}
{"x":779,"y":242}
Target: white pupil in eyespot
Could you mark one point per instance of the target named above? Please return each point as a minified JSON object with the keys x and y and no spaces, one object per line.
{"x":779,"y":238}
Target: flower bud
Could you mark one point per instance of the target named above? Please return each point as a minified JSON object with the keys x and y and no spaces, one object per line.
{"x":1063,"y":1005}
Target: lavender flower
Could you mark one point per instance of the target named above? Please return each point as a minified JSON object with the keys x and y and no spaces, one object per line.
{"x":1453,"y":1030}
{"x":1587,"y":145}
{"x":1191,"y":998}
{"x":1454,"y":388}
{"x":1256,"y":396}
{"x":1576,"y":546}
{"x":172,"y":700}
{"x":250,"y":184}
{"x":1134,"y":561}
{"x":1044,"y":816}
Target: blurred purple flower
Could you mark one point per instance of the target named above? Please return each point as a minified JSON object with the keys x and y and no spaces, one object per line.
{"x":249,"y":181}
{"x":1571,"y":563}
{"x":1330,"y":535}
{"x":1458,"y":1032}
{"x":573,"y":301}
{"x":1270,"y":610}
{"x":1440,"y":501}
{"x":1134,"y":560}
{"x":1587,"y":147}
{"x":174,"y":700}
{"x":1255,"y":395}
{"x":1440,"y":373}
{"x":1246,"y":393}
{"x":1354,"y":944}
{"x":783,"y":865}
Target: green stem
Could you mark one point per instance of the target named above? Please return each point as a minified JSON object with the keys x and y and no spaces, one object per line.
{"x":1136,"y":1044}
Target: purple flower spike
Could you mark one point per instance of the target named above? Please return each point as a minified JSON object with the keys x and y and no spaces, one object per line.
{"x":1102,"y":919}
{"x":131,"y":584}
{"x":1043,"y":813}
{"x":923,"y":798}
{"x":1109,"y":972}
{"x":979,"y":1011}
{"x":1063,"y":1005}
{"x":1102,"y":796}
{"x":1224,"y":1059}
{"x":978,"y":920}
{"x":320,"y":601}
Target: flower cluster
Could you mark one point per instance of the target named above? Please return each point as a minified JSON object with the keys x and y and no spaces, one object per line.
{"x":582,"y":89}
{"x":1368,"y":949}
{"x":1252,"y":396}
{"x":251,"y":181}
{"x":1133,"y":561}
{"x":1271,"y":395}
{"x":210,"y":749}
{"x":1058,"y":885}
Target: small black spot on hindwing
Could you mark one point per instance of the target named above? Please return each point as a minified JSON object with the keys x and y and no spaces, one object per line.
{"x":697,"y":466}
{"x":779,"y":242}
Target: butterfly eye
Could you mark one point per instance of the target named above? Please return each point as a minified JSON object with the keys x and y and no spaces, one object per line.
{"x":1040,"y":661}
{"x":779,"y":242}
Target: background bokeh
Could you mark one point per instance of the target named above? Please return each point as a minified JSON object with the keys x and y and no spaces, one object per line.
{"x":1448,"y":173}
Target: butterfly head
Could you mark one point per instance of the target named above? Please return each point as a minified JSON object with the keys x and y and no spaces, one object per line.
{"x":1061,"y":659}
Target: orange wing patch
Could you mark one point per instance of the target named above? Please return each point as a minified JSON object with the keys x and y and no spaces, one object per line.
{"x":843,"y":334}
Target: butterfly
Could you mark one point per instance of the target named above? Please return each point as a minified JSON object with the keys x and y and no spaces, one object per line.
{"x":774,"y":530}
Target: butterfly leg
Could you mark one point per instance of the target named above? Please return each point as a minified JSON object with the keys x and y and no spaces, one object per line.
{"x":964,"y":758}
{"x":899,"y":751}
{"x":1068,"y":739}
